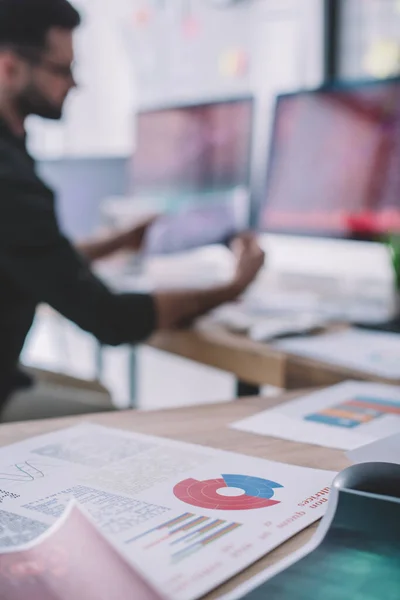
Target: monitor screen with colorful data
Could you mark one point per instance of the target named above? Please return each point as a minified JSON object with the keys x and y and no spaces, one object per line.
{"x":201,"y":150}
{"x":334,"y":166}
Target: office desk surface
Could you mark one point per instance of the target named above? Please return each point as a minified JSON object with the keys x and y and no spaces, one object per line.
{"x":210,"y":344}
{"x":208,"y":426}
{"x":253,"y":362}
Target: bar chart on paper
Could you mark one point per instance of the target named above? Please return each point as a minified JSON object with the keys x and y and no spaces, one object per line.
{"x":184,"y":535}
{"x":355,"y":412}
{"x":345,"y":416}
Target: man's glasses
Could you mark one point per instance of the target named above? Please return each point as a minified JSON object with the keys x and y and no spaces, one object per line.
{"x":36,"y":58}
{"x":65,"y":71}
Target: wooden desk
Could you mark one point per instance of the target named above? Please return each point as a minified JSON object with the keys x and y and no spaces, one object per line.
{"x":207,"y":425}
{"x":212,"y":345}
{"x":252,"y":362}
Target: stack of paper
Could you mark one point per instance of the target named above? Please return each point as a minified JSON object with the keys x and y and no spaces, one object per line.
{"x":187,"y":517}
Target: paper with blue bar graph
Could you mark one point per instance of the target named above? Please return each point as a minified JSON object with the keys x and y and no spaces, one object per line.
{"x":345,"y":416}
{"x":187,"y":517}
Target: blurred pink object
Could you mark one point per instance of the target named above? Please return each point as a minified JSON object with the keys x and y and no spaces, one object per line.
{"x":72,"y":561}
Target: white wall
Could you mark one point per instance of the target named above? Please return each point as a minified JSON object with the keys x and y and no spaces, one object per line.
{"x":98,"y":117}
{"x":119,"y":65}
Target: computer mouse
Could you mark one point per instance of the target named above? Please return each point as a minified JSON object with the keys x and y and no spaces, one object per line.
{"x":382,"y":479}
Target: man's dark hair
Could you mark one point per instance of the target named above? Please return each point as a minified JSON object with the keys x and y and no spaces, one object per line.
{"x":26,"y":23}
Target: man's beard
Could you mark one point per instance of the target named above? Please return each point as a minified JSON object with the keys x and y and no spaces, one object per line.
{"x":32,"y":102}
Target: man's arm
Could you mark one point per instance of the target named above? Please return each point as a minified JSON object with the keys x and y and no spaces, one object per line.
{"x":47,"y":269}
{"x":97,"y":249}
{"x":44,"y":264}
{"x":130,"y":239}
{"x":175,"y":308}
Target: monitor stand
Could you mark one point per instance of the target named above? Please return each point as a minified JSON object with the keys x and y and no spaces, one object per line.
{"x":391,"y":326}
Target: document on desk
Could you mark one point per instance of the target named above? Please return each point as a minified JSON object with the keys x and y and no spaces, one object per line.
{"x":187,"y":517}
{"x":385,"y":450}
{"x":71,"y":560}
{"x":369,"y":352}
{"x":345,"y":416}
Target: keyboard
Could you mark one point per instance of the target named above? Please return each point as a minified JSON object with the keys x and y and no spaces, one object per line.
{"x":282,"y":296}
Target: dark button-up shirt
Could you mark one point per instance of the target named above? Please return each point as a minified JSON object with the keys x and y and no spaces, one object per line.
{"x":38,"y":264}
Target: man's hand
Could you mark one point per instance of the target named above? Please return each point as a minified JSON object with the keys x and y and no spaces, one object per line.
{"x":179,"y":308}
{"x":134,"y":237}
{"x":250,"y":260}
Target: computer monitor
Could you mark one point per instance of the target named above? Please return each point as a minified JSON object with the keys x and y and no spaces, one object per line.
{"x":81,"y":185}
{"x":334,"y":166}
{"x":194,"y":150}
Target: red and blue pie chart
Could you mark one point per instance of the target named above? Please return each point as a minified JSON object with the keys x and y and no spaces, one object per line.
{"x":231,"y":492}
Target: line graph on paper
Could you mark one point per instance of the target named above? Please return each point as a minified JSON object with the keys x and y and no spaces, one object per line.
{"x":184,"y":535}
{"x":25,"y":471}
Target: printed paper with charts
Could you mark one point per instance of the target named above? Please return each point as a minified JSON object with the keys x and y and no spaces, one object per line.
{"x":344,"y":416}
{"x":187,"y":517}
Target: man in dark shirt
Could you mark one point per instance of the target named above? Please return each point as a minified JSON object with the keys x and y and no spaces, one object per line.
{"x":37,"y":263}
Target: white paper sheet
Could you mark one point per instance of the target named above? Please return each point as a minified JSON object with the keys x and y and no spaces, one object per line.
{"x":188,"y":517}
{"x":366,"y":351}
{"x":344,"y":416}
{"x":384,"y":450}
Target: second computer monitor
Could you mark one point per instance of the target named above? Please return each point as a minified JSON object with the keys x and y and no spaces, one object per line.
{"x":194,"y":149}
{"x":335,"y":163}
